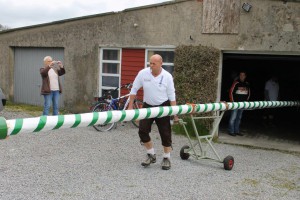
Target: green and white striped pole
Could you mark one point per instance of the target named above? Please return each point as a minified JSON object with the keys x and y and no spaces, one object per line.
{"x":47,"y":123}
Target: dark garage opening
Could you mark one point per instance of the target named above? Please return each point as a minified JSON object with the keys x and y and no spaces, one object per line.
{"x":259,"y":68}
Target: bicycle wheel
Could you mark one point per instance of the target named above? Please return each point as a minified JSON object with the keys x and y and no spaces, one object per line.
{"x":102,"y":107}
{"x":137,"y":105}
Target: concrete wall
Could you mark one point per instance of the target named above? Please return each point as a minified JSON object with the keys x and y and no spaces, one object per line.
{"x":270,"y":26}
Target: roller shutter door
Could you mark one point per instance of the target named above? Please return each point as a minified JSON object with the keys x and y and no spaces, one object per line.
{"x":27,"y":78}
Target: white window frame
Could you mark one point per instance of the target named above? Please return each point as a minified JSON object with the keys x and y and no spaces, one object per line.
{"x":108,"y":74}
{"x":158,"y":49}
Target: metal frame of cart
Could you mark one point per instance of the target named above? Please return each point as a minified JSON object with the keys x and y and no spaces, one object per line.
{"x":204,"y":142}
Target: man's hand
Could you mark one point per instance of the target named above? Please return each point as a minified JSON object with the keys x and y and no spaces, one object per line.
{"x":52,"y":64}
{"x":176,"y":119}
{"x":60,"y":64}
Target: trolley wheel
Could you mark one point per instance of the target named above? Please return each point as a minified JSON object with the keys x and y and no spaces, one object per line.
{"x":183,"y":155}
{"x":228,"y":162}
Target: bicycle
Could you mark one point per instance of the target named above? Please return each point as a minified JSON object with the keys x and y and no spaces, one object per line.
{"x":108,"y":103}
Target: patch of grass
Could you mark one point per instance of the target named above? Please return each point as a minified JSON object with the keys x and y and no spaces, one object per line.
{"x":282,"y":182}
{"x":252,"y":182}
{"x":286,"y":184}
{"x":29,"y":109}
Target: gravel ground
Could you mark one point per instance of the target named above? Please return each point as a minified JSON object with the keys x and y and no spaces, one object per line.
{"x":82,"y":163}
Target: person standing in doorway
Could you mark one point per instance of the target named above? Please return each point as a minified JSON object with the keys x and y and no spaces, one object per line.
{"x":239,"y":91}
{"x":271,"y":94}
{"x":158,"y":87}
{"x":51,"y":86}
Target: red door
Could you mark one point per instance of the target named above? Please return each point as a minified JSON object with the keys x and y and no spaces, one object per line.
{"x":133,"y":60}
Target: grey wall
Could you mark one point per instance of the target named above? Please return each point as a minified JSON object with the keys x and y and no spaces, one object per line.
{"x":270,"y":26}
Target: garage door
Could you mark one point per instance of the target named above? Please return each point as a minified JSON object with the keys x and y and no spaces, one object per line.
{"x":27,"y":78}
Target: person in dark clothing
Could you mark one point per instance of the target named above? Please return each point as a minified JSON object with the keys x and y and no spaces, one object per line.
{"x":239,"y":91}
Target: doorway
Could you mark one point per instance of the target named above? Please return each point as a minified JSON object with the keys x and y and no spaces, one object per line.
{"x":259,"y":69}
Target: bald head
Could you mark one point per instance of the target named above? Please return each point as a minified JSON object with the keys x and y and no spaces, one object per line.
{"x":156,"y":57}
{"x":155,"y":64}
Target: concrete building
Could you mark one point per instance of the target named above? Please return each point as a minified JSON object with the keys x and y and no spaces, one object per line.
{"x":106,"y":50}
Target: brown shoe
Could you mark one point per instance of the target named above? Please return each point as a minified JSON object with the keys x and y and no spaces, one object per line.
{"x":166,"y":164}
{"x":150,"y":159}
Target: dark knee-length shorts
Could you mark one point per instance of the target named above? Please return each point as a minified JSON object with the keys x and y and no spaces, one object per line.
{"x":163,"y":124}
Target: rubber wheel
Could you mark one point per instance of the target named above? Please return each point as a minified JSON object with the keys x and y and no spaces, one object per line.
{"x":228,"y":162}
{"x":183,"y":155}
{"x":103,"y":107}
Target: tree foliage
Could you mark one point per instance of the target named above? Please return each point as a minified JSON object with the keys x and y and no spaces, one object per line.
{"x":3,"y":27}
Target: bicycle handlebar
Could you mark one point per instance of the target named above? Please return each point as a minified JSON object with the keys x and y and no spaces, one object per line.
{"x":127,"y":85}
{"x":109,"y":92}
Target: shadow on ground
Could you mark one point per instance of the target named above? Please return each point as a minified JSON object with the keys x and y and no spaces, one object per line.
{"x":281,"y":133}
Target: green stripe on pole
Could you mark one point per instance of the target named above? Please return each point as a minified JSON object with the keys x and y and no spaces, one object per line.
{"x":170,"y":110}
{"x":18,"y":127}
{"x":221,"y":106}
{"x":42,"y":123}
{"x":180,"y":110}
{"x":95,"y":118}
{"x":136,"y":114}
{"x":60,"y":121}
{"x":109,"y":117}
{"x":197,"y":108}
{"x":148,"y":113}
{"x":77,"y":120}
{"x":161,"y":111}
{"x":123,"y":115}
{"x":249,"y":105}
{"x":205,"y":107}
{"x":3,"y":128}
{"x":213,"y":107}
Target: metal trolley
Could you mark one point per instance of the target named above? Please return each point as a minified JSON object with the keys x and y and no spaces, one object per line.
{"x":204,"y":142}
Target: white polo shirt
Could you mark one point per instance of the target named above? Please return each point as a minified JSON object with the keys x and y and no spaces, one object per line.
{"x":157,"y":89}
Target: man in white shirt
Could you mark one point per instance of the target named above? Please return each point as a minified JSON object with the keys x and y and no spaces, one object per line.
{"x":272,"y":89}
{"x":271,"y":94}
{"x":158,"y":87}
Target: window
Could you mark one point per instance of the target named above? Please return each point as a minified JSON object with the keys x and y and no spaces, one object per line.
{"x":110,"y":69}
{"x":166,"y":54}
